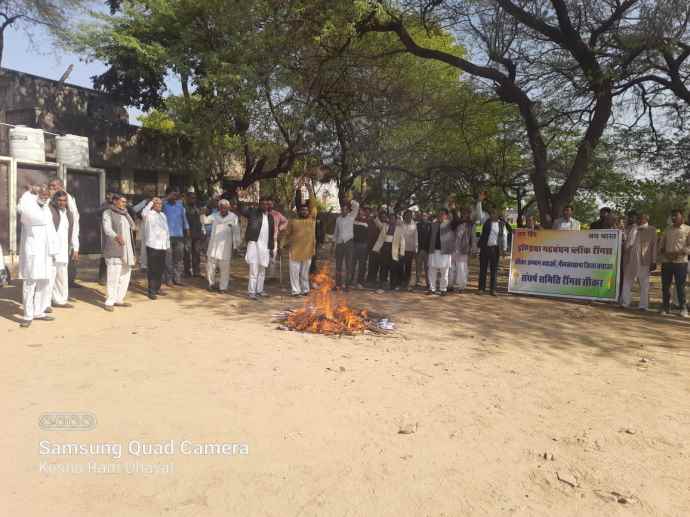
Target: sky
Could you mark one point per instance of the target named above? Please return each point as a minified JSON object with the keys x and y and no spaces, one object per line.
{"x":39,"y":56}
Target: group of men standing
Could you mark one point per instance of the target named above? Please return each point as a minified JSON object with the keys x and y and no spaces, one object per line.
{"x":383,"y":250}
{"x":372,"y":247}
{"x":49,"y":246}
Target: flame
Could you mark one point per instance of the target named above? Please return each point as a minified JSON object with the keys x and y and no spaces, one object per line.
{"x":326,"y":313}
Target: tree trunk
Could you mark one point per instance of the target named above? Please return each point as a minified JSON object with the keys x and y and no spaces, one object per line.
{"x":2,"y":43}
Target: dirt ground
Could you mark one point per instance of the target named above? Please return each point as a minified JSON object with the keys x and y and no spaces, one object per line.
{"x":478,"y":406}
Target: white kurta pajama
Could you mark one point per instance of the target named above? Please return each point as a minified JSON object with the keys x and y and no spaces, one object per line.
{"x":59,"y":280}
{"x":119,"y":270}
{"x":37,"y":251}
{"x":258,"y":257}
{"x":225,"y":237}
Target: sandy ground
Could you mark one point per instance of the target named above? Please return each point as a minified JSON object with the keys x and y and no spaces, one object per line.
{"x":500,"y":398}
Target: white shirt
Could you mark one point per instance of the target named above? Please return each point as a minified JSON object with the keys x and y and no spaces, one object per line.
{"x":156,"y":234}
{"x":493,"y":235}
{"x":345,"y":225}
{"x":411,"y":240}
{"x":562,"y":224}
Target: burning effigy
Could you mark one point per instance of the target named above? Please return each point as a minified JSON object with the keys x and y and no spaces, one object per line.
{"x":327,"y":312}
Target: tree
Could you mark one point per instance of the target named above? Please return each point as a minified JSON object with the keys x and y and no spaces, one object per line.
{"x":23,"y":15}
{"x":547,"y":58}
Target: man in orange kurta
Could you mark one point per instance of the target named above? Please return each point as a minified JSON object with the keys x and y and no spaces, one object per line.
{"x":301,"y":240}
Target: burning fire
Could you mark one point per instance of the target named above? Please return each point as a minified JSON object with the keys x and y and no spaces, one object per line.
{"x":324,"y":313}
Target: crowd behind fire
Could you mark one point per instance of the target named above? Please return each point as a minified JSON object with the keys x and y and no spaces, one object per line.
{"x":372,"y":248}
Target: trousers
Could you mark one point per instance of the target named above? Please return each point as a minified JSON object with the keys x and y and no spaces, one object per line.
{"x":224,"y":268}
{"x":117,"y":283}
{"x":257,"y":275}
{"x":156,"y":266}
{"x":459,"y":271}
{"x":640,"y":273}
{"x":299,"y":276}
{"x":35,"y":298}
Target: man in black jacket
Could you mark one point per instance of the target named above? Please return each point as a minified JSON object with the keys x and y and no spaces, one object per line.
{"x":492,"y":245}
{"x":260,"y":243}
{"x":194,"y":242}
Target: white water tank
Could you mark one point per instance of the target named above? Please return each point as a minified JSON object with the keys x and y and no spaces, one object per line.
{"x":27,"y":144}
{"x":73,"y":151}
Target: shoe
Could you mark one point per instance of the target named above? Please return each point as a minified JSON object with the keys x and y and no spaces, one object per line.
{"x":48,"y":310}
{"x":153,"y":296}
{"x":294,"y":295}
{"x":109,"y":308}
{"x":410,"y":289}
{"x":169,"y":284}
{"x":63,"y":306}
{"x":306,"y":293}
{"x":643,"y":309}
{"x":450,"y":289}
{"x":359,"y":286}
{"x":684,"y":313}
{"x":222,"y":291}
{"x":124,"y":304}
{"x":45,"y":318}
{"x":665,"y":313}
{"x":210,"y":289}
{"x":263,"y":294}
{"x":380,"y":291}
{"x":429,"y":292}
{"x":444,"y":293}
{"x":179,"y":284}
{"x":480,"y":292}
{"x":25,"y":324}
{"x":492,"y":293}
{"x":252,"y":296}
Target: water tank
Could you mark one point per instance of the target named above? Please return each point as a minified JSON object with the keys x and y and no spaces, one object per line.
{"x":27,"y":144}
{"x":73,"y":151}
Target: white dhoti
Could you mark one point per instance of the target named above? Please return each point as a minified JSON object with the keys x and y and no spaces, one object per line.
{"x":459,"y":271}
{"x":299,"y":276}
{"x":118,"y":275}
{"x":35,"y":298}
{"x":224,"y":268}
{"x":439,"y":266}
{"x":641,"y":273}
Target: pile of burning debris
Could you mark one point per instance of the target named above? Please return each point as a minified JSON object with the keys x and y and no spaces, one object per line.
{"x":327,"y":312}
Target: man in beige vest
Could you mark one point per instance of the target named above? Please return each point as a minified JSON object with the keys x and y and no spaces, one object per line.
{"x":639,"y":259}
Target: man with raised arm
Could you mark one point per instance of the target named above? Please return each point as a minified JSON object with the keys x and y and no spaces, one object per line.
{"x":344,"y":242}
{"x":301,"y":240}
{"x":260,"y":238}
{"x":156,"y":239}
{"x":37,"y":250}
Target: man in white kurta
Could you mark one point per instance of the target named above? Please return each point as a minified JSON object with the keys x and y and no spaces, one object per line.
{"x":639,"y":260}
{"x":37,"y":251}
{"x":258,"y":257}
{"x":67,"y":244}
{"x":224,"y":238}
{"x":56,"y":185}
{"x":118,"y":250}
